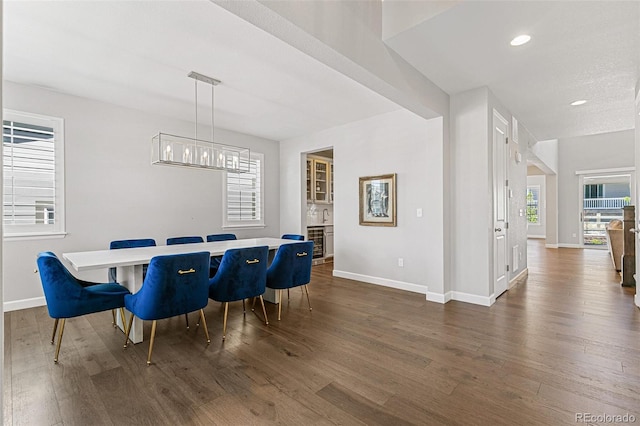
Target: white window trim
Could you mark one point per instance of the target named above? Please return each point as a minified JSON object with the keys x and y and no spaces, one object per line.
{"x":14,"y":233}
{"x":226,"y":224}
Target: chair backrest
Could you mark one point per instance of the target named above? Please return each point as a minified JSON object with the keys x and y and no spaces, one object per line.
{"x":174,"y":285}
{"x":60,"y":287}
{"x":184,"y":240}
{"x":291,"y":265}
{"x":293,"y":237}
{"x":67,"y":296}
{"x":142,"y":242}
{"x":122,"y":244}
{"x":242,"y":274}
{"x":221,"y":237}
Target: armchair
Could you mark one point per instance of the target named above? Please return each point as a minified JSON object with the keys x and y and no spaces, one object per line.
{"x":242,"y":274}
{"x":174,"y":285}
{"x":69,"y":297}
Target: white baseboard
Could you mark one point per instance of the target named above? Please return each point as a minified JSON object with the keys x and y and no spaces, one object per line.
{"x":554,"y":246}
{"x":537,"y":237}
{"x":24,"y":304}
{"x":578,"y":246}
{"x":472,"y":298}
{"x":438,"y":297}
{"x":401,"y":285}
{"x":522,"y":273}
{"x":637,"y":299}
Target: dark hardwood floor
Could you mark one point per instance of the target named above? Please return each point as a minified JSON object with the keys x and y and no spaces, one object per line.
{"x":565,"y":340}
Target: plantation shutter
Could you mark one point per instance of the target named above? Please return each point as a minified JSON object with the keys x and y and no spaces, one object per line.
{"x":244,"y":194}
{"x":29,"y":174}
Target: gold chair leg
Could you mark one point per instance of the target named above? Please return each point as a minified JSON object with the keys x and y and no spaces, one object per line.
{"x":113,"y":318}
{"x":204,"y":325}
{"x":287,"y":297}
{"x":306,"y":288}
{"x":55,"y":327}
{"x":59,"y":341}
{"x":244,"y":311}
{"x":253,"y":305}
{"x":280,"y":302}
{"x":153,"y":337}
{"x":128,"y":330}
{"x":224,"y":321}
{"x":186,"y":318}
{"x":264,"y":311}
{"x":124,"y":321}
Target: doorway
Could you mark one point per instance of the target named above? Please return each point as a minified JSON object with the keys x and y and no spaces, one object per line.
{"x":602,"y":198}
{"x":319,"y":190}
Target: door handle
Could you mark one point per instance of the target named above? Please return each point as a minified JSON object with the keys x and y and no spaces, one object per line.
{"x":634,"y":230}
{"x":498,"y":229}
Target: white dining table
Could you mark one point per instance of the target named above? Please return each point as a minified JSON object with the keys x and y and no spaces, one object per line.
{"x":129,"y":262}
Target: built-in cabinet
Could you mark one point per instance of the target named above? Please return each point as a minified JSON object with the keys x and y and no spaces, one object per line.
{"x":319,"y":180}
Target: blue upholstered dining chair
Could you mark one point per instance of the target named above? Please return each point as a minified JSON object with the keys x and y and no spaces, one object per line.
{"x":215,"y":260}
{"x":175,"y":284}
{"x":291,"y":267}
{"x":184,"y":240}
{"x":221,"y":237}
{"x":242,"y":275}
{"x":69,"y":297}
{"x":296,"y":237}
{"x":123,"y":244}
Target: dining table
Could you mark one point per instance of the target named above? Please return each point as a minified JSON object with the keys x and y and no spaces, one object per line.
{"x":129,"y":264}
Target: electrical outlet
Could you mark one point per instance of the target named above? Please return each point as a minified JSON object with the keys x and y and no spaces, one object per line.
{"x":401,"y":262}
{"x":574,"y":235}
{"x":419,"y":213}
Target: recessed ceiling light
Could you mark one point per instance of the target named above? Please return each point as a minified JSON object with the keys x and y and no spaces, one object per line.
{"x":520,"y":40}
{"x":580,"y":102}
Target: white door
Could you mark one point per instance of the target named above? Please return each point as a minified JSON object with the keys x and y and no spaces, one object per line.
{"x":500,"y":187}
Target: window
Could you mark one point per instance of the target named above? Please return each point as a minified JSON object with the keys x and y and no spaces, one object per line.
{"x":33,"y":174}
{"x":243,"y":195}
{"x":533,"y":197}
{"x":593,"y":191}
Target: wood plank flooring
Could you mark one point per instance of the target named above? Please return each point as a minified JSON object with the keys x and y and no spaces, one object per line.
{"x":565,"y":340}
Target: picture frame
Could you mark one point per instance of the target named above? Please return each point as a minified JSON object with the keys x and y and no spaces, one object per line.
{"x":378,"y":200}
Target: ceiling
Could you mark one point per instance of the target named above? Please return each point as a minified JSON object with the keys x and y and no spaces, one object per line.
{"x":137,"y":54}
{"x":579,"y":50}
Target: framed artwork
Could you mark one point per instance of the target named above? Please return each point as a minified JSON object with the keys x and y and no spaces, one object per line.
{"x":378,"y":200}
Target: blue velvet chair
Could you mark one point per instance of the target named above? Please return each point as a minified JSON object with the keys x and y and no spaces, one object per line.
{"x":123,"y":244}
{"x":293,"y":237}
{"x":184,"y":240}
{"x":291,"y":267}
{"x":69,"y":297}
{"x":175,"y":285}
{"x":242,"y":275}
{"x":215,"y":260}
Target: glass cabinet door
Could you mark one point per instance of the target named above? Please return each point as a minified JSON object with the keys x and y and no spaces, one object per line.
{"x":309,"y":181}
{"x":321,"y":181}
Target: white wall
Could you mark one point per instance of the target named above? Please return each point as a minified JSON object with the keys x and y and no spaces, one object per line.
{"x":538,"y":230}
{"x":595,"y":152}
{"x":472,"y":194}
{"x":112,"y":190}
{"x":472,"y":189}
{"x":546,"y":152}
{"x":398,"y":142}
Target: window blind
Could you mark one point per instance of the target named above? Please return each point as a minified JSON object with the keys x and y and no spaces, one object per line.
{"x":244,"y":197}
{"x":29,"y":172}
